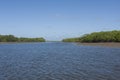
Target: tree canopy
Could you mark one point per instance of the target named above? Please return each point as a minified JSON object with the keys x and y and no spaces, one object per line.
{"x":12,"y":38}
{"x":103,"y":36}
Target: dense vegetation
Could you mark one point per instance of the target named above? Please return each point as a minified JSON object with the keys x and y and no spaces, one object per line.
{"x":11,"y":38}
{"x":104,"y":36}
{"x":71,"y":40}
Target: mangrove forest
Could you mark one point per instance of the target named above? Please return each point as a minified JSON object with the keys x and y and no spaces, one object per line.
{"x":103,"y":36}
{"x":12,"y":38}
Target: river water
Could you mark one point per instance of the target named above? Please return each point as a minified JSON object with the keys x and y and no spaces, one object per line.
{"x":58,"y":61}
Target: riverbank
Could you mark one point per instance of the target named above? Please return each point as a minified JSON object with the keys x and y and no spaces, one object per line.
{"x":106,"y":44}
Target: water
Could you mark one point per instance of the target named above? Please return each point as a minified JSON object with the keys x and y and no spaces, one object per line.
{"x":58,"y":61}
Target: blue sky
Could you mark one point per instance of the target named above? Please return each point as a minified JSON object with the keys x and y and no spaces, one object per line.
{"x":58,"y":19}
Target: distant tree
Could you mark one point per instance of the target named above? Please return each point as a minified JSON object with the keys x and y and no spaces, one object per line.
{"x":11,"y":38}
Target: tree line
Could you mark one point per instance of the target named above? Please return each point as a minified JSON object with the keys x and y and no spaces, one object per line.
{"x":12,"y":38}
{"x":103,"y":36}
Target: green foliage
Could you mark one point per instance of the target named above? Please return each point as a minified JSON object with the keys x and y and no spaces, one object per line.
{"x":31,"y":39}
{"x":71,"y":40}
{"x":11,"y":38}
{"x":8,"y":38}
{"x":104,"y":36}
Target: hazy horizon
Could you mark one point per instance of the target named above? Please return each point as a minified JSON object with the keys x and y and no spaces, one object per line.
{"x":55,"y":20}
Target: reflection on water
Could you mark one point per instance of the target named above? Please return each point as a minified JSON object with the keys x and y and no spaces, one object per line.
{"x":58,"y":61}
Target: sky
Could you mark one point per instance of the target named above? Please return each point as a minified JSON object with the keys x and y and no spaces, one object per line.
{"x":58,"y":19}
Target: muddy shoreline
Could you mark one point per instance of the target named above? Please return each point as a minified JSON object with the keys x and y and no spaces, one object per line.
{"x":107,"y":44}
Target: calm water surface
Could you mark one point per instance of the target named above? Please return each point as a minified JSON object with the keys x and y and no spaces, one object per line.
{"x":58,"y":61}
